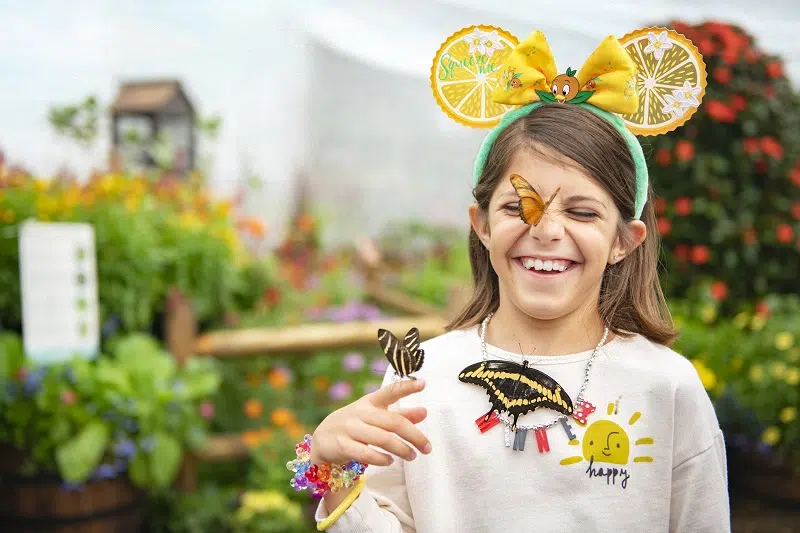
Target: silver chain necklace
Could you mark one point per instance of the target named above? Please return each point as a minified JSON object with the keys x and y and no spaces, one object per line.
{"x":558,"y":419}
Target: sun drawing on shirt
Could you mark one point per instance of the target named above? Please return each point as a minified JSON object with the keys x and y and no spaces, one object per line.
{"x":605,"y":441}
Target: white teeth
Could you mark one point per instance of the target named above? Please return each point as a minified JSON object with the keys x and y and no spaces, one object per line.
{"x":548,"y":265}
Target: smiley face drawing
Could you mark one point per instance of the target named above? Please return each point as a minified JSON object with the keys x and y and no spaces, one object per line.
{"x":605,"y":441}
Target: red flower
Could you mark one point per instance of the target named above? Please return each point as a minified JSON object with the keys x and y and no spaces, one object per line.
{"x":731,"y":55}
{"x":762,"y":308}
{"x":720,"y":112}
{"x":751,"y":146}
{"x":749,"y":236}
{"x":751,"y":56}
{"x":684,"y":150}
{"x":774,"y":69}
{"x":737,"y":103}
{"x":272,"y":296}
{"x":706,"y":47}
{"x":723,"y":75}
{"x":682,"y":252}
{"x":785,"y":233}
{"x":794,"y":175}
{"x":769,"y":93}
{"x":771,"y":147}
{"x":664,"y":225}
{"x":796,"y":210}
{"x":683,"y":206}
{"x":700,"y":254}
{"x":663,"y":157}
{"x":761,"y":166}
{"x":660,"y":205}
{"x":719,"y":291}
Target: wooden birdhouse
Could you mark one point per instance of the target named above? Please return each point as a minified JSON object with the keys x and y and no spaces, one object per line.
{"x":153,"y":125}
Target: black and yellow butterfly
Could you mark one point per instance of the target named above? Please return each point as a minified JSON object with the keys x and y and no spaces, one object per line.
{"x":405,"y":357}
{"x":531,"y":205}
{"x":516,"y":389}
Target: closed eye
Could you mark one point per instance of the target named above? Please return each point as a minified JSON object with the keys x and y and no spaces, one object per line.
{"x":588,"y":215}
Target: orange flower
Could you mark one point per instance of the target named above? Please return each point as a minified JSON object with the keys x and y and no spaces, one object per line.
{"x":296,"y":430}
{"x":751,"y":146}
{"x":723,"y":75}
{"x":279,"y":378}
{"x":720,"y":112}
{"x":321,"y":383}
{"x":785,"y":233}
{"x":719,"y":291}
{"x":774,"y":69}
{"x":255,"y":437}
{"x":281,"y":417}
{"x":253,"y":408}
{"x":772,"y":147}
{"x":305,"y":223}
{"x":738,"y":102}
{"x":683,"y":206}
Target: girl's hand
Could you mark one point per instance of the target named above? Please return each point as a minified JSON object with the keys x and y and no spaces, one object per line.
{"x":345,"y":434}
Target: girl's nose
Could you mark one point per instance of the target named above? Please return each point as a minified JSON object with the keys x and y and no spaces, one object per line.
{"x":548,"y":229}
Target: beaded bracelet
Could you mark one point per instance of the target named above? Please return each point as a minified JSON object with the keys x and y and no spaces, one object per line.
{"x":323,"y":478}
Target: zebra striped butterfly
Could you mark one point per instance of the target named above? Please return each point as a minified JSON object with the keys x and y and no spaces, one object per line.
{"x":405,"y":357}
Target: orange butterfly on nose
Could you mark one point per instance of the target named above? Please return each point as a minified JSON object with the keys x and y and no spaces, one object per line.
{"x":531,"y":205}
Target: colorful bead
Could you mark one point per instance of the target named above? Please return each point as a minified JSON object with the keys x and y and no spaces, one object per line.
{"x":319,"y":479}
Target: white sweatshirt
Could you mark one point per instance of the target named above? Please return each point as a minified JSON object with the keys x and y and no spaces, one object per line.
{"x":650,"y":458}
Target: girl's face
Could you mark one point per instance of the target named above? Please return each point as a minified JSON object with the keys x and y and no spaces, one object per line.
{"x":555,"y":268}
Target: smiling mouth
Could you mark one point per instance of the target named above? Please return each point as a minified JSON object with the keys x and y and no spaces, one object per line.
{"x":546,"y":267}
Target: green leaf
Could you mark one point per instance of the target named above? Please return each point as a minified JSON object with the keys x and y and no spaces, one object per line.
{"x":581,"y":97}
{"x":165,"y":460}
{"x":113,"y":378}
{"x":79,"y":456}
{"x":11,"y":355}
{"x":139,"y":472}
{"x":546,"y":96}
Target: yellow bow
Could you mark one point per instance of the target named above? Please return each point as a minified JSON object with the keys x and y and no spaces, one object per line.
{"x":606,"y":80}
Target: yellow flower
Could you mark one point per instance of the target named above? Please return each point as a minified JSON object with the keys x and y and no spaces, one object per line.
{"x":788,"y":414}
{"x":254,"y":437}
{"x":737,"y":362}
{"x":189,"y":221}
{"x":771,"y":436}
{"x":779,"y":369}
{"x":756,"y":373}
{"x":266,"y":501}
{"x":222,"y":209}
{"x":40,"y":185}
{"x":758,"y":322}
{"x":708,"y":314}
{"x":707,"y":375}
{"x":281,"y":417}
{"x":784,"y":340}
{"x":132,"y":204}
{"x":279,"y":378}
{"x":740,"y":321}
{"x":793,"y":376}
{"x":321,"y":383}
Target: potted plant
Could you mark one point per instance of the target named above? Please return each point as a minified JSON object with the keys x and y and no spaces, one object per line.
{"x":84,"y":439}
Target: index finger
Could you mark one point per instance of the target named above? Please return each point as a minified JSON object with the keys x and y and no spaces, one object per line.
{"x":386,"y":396}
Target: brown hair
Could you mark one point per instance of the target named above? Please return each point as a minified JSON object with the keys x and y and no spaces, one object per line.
{"x":631,"y":299}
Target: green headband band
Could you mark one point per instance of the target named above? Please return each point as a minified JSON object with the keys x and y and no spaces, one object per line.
{"x":633,"y":144}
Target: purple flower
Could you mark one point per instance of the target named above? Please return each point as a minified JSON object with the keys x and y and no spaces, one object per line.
{"x":105,"y":471}
{"x":33,"y":381}
{"x":353,"y":361}
{"x":371,"y":387}
{"x":341,"y":390}
{"x":379,"y":365}
{"x":125,"y":448}
{"x":370,"y":312}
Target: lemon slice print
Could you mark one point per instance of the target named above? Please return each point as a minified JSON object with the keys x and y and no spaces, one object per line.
{"x":671,"y":81}
{"x":465,"y":71}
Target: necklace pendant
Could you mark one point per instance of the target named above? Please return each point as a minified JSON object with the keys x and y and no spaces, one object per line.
{"x":487,"y":422}
{"x":568,"y":429}
{"x":541,"y":440}
{"x":507,"y":436}
{"x":519,"y":439}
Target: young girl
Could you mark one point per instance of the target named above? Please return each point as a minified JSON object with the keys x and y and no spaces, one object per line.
{"x":568,"y":312}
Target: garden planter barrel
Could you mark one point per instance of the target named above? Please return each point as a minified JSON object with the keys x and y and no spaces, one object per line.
{"x":763,"y":477}
{"x":40,"y":504}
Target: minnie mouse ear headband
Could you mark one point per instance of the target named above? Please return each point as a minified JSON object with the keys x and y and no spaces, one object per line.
{"x":647,"y":83}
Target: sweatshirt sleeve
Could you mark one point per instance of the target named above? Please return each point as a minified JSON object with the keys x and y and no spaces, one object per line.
{"x":383,"y":506}
{"x":699,"y":501}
